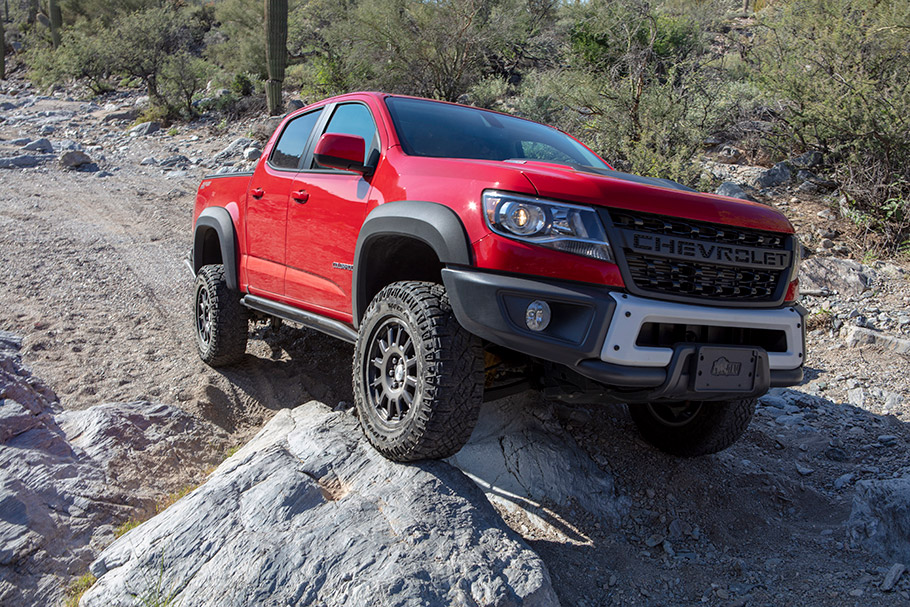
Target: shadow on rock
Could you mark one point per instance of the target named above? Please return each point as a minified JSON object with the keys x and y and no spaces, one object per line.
{"x":522,"y":458}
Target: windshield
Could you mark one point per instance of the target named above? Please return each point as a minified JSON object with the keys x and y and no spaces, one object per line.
{"x":441,"y":130}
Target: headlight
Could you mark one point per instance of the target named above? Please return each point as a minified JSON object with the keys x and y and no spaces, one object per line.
{"x":560,"y":226}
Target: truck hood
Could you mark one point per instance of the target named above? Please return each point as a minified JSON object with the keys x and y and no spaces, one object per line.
{"x":648,"y":195}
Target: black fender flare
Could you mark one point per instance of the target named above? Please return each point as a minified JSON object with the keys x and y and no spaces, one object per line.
{"x":219,"y":220}
{"x":430,"y":222}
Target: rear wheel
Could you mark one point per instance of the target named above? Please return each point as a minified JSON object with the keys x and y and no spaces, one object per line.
{"x":693,"y":428}
{"x":221,"y":322}
{"x":417,"y":374}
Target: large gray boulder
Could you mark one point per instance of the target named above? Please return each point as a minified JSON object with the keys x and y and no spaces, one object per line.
{"x":880,"y":518}
{"x":309,"y":514}
{"x":53,"y":501}
{"x":144,"y":446}
{"x":777,"y":175}
{"x":68,"y":477}
{"x":845,"y":276}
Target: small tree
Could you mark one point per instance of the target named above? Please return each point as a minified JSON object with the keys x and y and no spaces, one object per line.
{"x":143,"y":41}
{"x":182,"y":77}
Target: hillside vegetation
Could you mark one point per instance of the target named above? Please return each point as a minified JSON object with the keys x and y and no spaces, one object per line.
{"x":651,"y":86}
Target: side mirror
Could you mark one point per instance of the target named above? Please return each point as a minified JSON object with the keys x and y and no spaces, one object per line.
{"x":345,"y":152}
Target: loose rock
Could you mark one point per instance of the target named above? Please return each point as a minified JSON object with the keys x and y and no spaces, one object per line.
{"x":777,"y":175}
{"x":845,"y":276}
{"x":74,"y":159}
{"x":880,"y":518}
{"x":894,"y":574}
{"x":19,"y":162}
{"x":41,"y":145}
{"x":234,"y":149}
{"x":146,"y":128}
{"x":733,"y":190}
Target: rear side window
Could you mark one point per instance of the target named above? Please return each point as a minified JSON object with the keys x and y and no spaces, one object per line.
{"x":355,"y":119}
{"x":292,"y":142}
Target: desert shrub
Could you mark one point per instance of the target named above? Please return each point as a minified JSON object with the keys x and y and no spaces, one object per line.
{"x":154,"y":113}
{"x":242,"y":85}
{"x":142,"y":42}
{"x":488,"y":92}
{"x":239,"y":44}
{"x":639,"y":88}
{"x":183,"y":76}
{"x":84,"y":54}
{"x":838,"y":69}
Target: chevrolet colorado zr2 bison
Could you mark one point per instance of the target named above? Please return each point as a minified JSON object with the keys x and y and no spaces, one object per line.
{"x":469,"y":254}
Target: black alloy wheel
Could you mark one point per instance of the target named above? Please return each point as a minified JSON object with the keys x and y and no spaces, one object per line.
{"x":391,"y":372}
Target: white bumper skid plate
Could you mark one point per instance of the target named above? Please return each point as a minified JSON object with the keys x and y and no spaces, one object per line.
{"x":632,"y":312}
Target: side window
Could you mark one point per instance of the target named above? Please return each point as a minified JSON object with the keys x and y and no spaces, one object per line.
{"x":292,"y":142}
{"x":355,"y":119}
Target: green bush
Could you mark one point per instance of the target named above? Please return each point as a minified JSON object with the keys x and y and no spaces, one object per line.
{"x":242,"y":85}
{"x":638,"y":89}
{"x":83,"y":54}
{"x":183,"y":76}
{"x":839,"y":71}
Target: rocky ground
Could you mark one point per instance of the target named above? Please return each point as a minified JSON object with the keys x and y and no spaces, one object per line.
{"x":806,"y":509}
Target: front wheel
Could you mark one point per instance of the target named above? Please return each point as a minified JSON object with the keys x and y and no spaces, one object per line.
{"x":693,"y":428}
{"x":417,"y":374}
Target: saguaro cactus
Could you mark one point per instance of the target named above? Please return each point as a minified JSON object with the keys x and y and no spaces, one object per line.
{"x":2,"y":49}
{"x":56,"y":21}
{"x":276,"y":50}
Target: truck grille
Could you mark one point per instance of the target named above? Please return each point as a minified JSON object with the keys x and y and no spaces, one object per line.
{"x":673,"y":258}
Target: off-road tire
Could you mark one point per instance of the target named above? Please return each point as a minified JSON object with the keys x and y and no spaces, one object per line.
{"x":220,"y":321}
{"x":442,"y":374}
{"x":698,"y":428}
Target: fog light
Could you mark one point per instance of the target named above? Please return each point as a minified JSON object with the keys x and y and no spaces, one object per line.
{"x":537,"y":316}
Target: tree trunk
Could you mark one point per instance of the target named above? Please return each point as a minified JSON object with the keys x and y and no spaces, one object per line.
{"x":276,"y":51}
{"x":151,"y":83}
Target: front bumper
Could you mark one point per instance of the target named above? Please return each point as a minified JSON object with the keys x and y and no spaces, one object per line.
{"x":597,"y":333}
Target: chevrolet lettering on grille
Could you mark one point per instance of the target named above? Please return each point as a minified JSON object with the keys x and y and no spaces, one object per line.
{"x":699,"y":250}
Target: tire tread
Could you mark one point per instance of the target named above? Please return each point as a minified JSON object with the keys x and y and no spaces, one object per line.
{"x":450,"y":401}
{"x":231,"y":328}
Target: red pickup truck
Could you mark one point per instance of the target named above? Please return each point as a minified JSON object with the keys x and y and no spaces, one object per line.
{"x":470,"y":254}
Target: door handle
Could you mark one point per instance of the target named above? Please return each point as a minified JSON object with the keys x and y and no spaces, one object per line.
{"x":300,"y":196}
{"x":257,"y":192}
